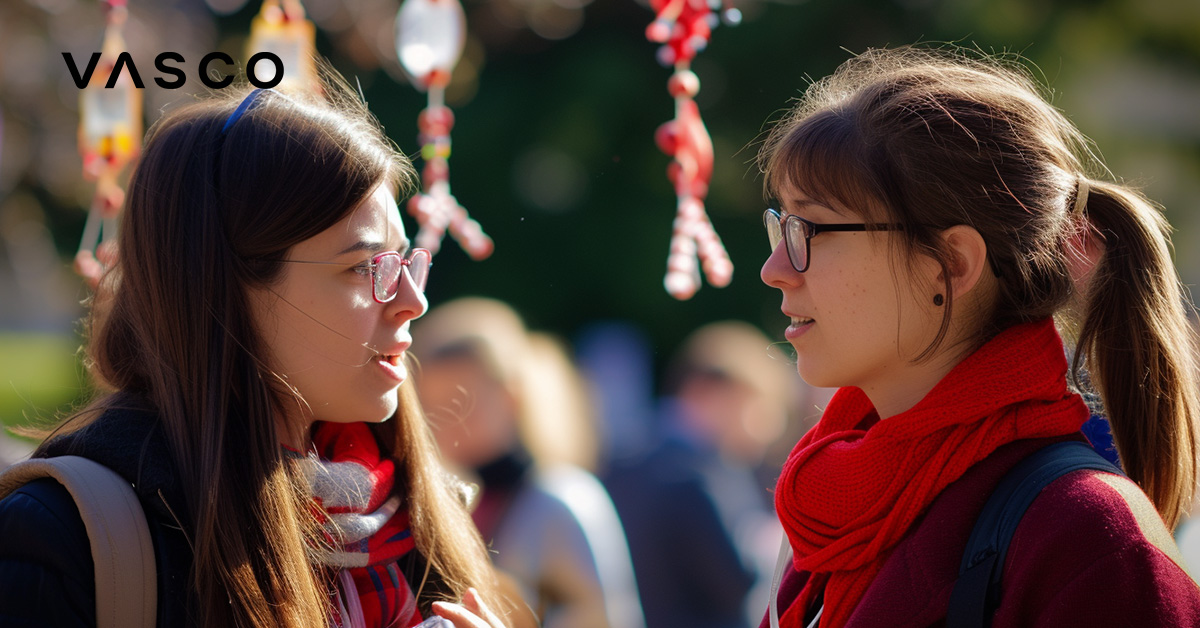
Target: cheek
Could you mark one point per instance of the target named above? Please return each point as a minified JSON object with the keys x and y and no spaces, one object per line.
{"x":860,"y":310}
{"x":334,"y":328}
{"x":324,"y":362}
{"x":850,"y":296}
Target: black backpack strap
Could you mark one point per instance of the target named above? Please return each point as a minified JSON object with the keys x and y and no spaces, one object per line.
{"x":977,"y":593}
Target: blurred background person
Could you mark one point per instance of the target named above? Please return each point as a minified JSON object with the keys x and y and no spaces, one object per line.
{"x":509,"y":410}
{"x":699,"y":520}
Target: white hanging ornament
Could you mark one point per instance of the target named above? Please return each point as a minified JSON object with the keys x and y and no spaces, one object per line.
{"x":430,"y":35}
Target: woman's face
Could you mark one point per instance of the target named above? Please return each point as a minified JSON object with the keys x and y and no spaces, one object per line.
{"x":853,"y":322}
{"x":328,"y":338}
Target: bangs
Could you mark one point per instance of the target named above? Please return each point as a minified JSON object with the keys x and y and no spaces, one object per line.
{"x":825,"y":157}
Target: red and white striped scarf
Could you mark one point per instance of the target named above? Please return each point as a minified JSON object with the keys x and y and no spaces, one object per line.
{"x":367,"y":520}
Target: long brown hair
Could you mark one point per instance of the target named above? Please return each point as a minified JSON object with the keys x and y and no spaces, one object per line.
{"x":935,"y":138}
{"x":212,"y":206}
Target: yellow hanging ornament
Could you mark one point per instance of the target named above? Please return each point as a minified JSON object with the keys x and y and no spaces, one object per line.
{"x":110,"y":136}
{"x":282,"y":29}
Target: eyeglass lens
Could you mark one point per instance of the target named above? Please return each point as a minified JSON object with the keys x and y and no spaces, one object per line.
{"x":797,"y":244}
{"x":389,"y":268}
{"x":797,"y":248}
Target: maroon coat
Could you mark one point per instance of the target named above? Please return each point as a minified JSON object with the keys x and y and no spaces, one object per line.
{"x":1090,"y":551}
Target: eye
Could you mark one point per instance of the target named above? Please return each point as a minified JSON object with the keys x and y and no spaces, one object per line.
{"x":363,"y":269}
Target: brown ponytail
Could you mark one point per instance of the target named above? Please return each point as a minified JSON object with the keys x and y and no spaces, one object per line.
{"x":1141,"y":349}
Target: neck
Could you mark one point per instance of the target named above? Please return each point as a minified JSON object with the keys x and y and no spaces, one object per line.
{"x":294,"y":435}
{"x":899,"y":393}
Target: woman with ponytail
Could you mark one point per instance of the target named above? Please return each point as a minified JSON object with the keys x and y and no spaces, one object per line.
{"x":252,"y":350}
{"x":937,"y":230}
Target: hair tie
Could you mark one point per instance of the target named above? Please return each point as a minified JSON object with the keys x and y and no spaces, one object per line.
{"x":1081,"y":195}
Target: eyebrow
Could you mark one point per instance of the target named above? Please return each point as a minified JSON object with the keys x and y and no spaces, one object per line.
{"x":371,"y":247}
{"x":797,"y":204}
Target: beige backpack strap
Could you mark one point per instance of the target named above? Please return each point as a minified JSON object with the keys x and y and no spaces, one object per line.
{"x":126,"y":579}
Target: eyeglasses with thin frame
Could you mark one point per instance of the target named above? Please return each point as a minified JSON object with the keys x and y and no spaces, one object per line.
{"x":387,"y":268}
{"x":799,"y":231}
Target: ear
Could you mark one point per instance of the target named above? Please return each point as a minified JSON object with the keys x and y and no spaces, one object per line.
{"x":968,"y":258}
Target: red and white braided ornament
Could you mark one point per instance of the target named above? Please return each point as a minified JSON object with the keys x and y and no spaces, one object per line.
{"x":684,"y":28}
{"x":429,"y":40}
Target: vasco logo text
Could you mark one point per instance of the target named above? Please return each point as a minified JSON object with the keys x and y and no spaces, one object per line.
{"x":124,"y":61}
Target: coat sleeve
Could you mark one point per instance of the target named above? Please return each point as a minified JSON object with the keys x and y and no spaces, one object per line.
{"x":46,"y":569}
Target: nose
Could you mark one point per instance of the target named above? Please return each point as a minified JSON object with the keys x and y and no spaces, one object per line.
{"x":777,"y":271}
{"x":410,"y":303}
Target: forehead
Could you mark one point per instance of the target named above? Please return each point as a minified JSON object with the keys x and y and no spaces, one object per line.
{"x":377,"y":216}
{"x":375,"y":221}
{"x":791,"y":199}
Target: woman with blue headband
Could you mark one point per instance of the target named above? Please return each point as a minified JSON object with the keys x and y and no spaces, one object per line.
{"x":252,"y":356}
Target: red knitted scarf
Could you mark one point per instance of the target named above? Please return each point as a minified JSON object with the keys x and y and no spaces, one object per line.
{"x":355,"y":486}
{"x":848,"y":495}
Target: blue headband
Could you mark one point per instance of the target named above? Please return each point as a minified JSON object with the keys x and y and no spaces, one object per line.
{"x":250,"y":102}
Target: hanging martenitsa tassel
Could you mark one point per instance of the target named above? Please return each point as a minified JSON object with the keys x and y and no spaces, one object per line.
{"x":110,"y":136}
{"x":684,"y":28}
{"x":430,"y":35}
{"x":281,"y":28}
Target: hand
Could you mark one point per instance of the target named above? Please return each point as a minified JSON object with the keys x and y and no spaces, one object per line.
{"x":472,"y":613}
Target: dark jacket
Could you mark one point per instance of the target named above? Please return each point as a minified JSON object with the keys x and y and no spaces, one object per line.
{"x":46,"y":571}
{"x":1090,"y":551}
{"x":679,"y":505}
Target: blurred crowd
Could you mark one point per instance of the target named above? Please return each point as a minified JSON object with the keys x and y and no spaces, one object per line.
{"x":608,"y":504}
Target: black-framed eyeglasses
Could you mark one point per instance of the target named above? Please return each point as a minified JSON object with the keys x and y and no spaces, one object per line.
{"x":799,"y":231}
{"x":387,"y":268}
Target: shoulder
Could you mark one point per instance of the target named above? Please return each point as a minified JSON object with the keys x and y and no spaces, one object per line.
{"x":563,"y":510}
{"x":45,"y":558}
{"x":575,"y":488}
{"x":565,"y":494}
{"x":1092,"y":514}
{"x":1091,"y":538}
{"x":41,"y":519}
{"x":129,"y":439}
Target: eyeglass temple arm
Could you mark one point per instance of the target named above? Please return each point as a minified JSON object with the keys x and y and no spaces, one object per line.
{"x":818,"y":228}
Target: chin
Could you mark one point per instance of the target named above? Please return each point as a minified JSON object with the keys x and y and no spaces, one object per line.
{"x":382,"y":412}
{"x":815,"y":378}
{"x":378,"y":412}
{"x":390,"y":404}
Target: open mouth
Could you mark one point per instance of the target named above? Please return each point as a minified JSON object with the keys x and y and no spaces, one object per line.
{"x":802,"y":320}
{"x":393,"y":366}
